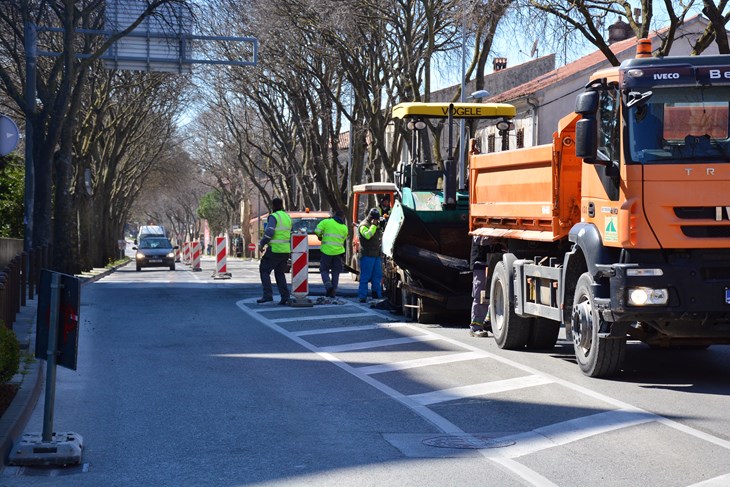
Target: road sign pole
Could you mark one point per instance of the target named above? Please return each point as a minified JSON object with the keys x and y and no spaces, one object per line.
{"x":50,"y":448}
{"x":51,"y":358}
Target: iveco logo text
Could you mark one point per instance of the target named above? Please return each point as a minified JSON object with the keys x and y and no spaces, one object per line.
{"x":666,"y":76}
{"x":717,"y":74}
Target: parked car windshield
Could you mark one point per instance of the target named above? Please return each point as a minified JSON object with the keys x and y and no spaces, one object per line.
{"x":155,"y":243}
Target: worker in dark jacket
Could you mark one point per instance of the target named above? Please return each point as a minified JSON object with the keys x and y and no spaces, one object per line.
{"x":480,"y":325}
{"x":371,"y":265}
{"x":333,"y":234}
{"x":278,"y":238}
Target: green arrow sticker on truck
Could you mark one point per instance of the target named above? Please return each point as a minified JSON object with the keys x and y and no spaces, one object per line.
{"x":611,"y":232}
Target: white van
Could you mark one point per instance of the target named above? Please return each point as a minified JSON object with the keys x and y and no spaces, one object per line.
{"x":150,"y":231}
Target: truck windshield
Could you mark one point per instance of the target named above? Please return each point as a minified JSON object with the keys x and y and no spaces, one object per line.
{"x":305,"y":225}
{"x":681,"y":125}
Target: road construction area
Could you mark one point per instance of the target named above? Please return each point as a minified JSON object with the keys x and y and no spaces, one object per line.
{"x":184,"y":380}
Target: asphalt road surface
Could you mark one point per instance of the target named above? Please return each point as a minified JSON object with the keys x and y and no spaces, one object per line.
{"x":183,"y":380}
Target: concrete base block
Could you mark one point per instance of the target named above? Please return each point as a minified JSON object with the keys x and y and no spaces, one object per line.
{"x":63,"y":449}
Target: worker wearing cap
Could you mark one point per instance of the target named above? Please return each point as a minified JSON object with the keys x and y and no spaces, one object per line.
{"x":278,"y":238}
{"x":371,"y":270}
{"x":333,"y":233}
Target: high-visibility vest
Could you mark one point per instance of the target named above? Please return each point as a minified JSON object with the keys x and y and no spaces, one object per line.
{"x":372,"y":239}
{"x":333,"y":235}
{"x":280,"y":243}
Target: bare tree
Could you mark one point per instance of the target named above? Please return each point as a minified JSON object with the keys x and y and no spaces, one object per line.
{"x":60,"y":85}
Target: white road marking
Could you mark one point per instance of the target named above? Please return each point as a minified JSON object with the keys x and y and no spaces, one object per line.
{"x":420,"y":362}
{"x":573,"y":430}
{"x":438,"y":421}
{"x":482,"y":389}
{"x":349,"y":347}
{"x":316,"y":317}
{"x":721,"y":481}
{"x":538,"y":439}
{"x":344,"y":329}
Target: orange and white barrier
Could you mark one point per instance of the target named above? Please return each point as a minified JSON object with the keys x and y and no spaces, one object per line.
{"x":300,"y":269}
{"x":196,"y":256}
{"x":220,"y":259}
{"x":186,"y":253}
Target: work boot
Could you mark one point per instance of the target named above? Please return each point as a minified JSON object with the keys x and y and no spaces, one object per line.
{"x":330,"y":293}
{"x":477,"y":330}
{"x":264,"y":300}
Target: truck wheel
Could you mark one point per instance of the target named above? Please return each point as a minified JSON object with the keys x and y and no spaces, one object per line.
{"x":543,"y":334}
{"x":510,"y":331}
{"x":597,"y":356}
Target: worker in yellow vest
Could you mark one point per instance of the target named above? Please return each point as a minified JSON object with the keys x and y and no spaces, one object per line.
{"x":277,"y":236}
{"x":333,"y":234}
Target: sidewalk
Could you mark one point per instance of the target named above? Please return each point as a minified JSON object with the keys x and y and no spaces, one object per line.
{"x":30,"y":376}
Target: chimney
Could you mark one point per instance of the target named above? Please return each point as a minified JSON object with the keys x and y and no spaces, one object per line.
{"x":619,"y":31}
{"x":500,"y":63}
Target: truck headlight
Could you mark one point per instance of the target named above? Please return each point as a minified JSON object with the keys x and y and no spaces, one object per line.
{"x":646,"y":296}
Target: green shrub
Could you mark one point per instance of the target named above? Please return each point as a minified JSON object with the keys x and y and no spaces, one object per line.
{"x":9,"y":353}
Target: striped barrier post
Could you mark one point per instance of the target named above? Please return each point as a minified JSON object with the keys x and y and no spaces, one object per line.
{"x":220,"y":259}
{"x":196,"y":256}
{"x":300,"y":269}
{"x":186,"y":253}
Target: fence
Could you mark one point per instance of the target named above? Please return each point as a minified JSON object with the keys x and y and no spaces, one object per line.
{"x":19,"y":275}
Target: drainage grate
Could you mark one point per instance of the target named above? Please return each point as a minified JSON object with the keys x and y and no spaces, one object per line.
{"x":467,"y":442}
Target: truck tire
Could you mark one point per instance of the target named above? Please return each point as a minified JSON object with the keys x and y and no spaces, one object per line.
{"x":510,"y":331}
{"x":543,"y":334}
{"x":597,"y":356}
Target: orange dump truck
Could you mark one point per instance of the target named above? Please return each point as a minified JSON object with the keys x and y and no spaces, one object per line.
{"x":621,"y":226}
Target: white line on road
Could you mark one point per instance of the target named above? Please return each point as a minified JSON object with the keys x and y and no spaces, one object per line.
{"x":484,"y":388}
{"x":420,"y":362}
{"x":438,"y":421}
{"x":349,"y":347}
{"x":345,"y":329}
{"x":538,"y":439}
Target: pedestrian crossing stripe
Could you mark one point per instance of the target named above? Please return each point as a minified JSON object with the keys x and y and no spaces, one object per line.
{"x":610,"y":229}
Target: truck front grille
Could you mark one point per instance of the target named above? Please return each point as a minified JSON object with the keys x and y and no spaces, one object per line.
{"x":719,"y":228}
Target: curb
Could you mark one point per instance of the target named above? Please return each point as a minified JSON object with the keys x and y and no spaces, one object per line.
{"x":15,"y":419}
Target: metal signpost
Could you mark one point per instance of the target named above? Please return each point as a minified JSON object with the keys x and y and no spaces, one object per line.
{"x":57,"y":341}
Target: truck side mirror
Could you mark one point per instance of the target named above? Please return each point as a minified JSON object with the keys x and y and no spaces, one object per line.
{"x":586,"y":140}
{"x":587,"y":103}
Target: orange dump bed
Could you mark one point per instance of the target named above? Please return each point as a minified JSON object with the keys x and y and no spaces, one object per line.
{"x":528,"y":194}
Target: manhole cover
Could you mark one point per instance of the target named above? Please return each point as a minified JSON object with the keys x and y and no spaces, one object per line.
{"x":473,"y":442}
